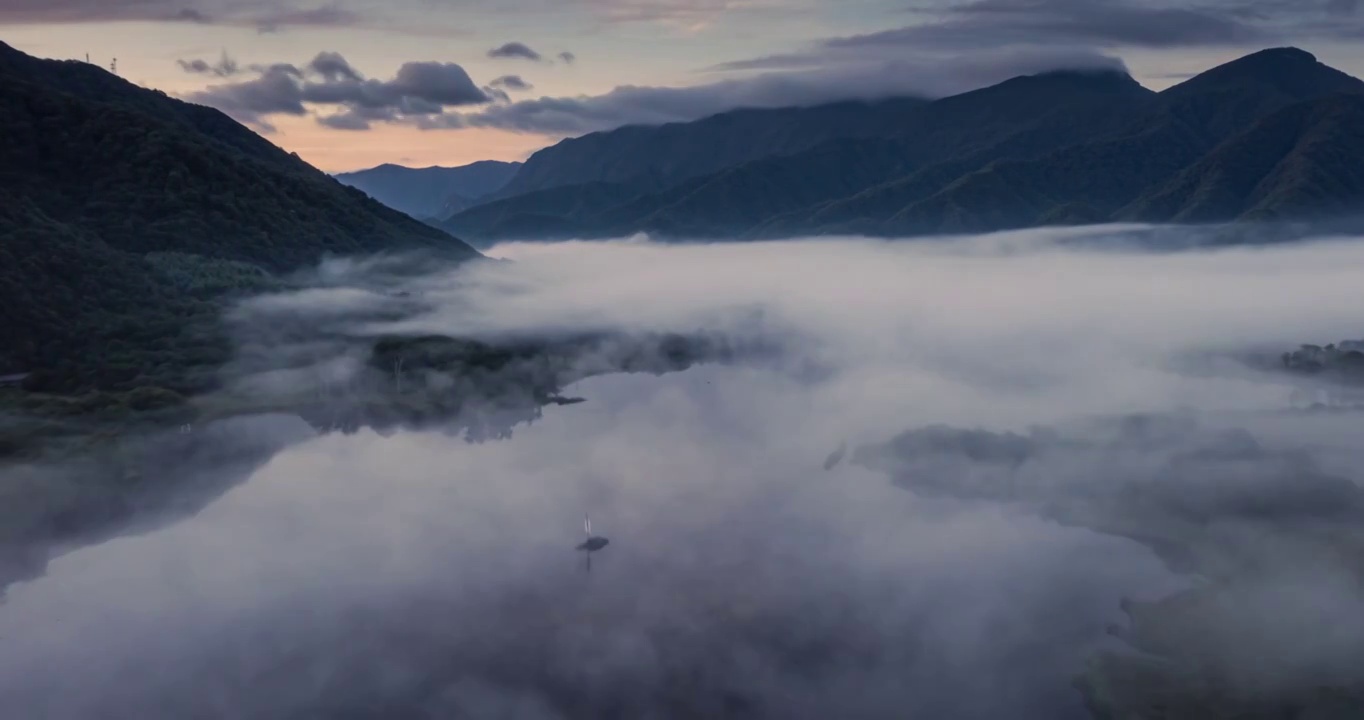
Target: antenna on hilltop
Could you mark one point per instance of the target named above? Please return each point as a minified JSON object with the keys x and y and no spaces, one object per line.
{"x":87,"y":58}
{"x":113,"y":66}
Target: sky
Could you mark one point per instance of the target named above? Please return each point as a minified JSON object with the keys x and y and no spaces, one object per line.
{"x":427,"y":576}
{"x":353,"y":83}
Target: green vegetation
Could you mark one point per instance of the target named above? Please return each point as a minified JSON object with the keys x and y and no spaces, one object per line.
{"x":130,"y":221}
{"x":130,"y":218}
{"x":83,"y":466}
{"x":1344,"y":361}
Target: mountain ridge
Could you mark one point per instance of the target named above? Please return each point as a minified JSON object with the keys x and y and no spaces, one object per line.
{"x":660,"y":156}
{"x":130,"y":215}
{"x":1053,"y":148}
{"x":850,"y":164}
{"x":433,"y":191}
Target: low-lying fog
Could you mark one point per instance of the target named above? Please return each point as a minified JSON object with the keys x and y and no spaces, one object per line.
{"x":417,"y":575}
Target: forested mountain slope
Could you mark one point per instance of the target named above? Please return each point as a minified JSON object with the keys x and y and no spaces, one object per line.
{"x":1056,"y":148}
{"x":127,"y":214}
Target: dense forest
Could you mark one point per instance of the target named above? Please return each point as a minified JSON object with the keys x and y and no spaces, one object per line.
{"x":131,"y":217}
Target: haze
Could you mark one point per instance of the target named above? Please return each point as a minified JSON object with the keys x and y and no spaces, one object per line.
{"x":418,"y":575}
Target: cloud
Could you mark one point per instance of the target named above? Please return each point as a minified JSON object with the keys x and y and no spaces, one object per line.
{"x":418,"y":89}
{"x":1116,"y":23}
{"x":430,"y":576}
{"x":283,"y":90}
{"x":192,"y":15}
{"x":358,"y":118}
{"x":958,"y":47}
{"x":327,"y":16}
{"x":1107,"y":23}
{"x":247,"y":13}
{"x":224,"y":67}
{"x":568,"y":58}
{"x":952,"y":30}
{"x":511,"y":82}
{"x":687,"y":14}
{"x":909,"y":75}
{"x":515,"y":50}
{"x":334,"y":68}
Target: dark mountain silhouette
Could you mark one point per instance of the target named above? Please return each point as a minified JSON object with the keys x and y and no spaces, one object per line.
{"x":1056,"y":148}
{"x":652,"y":158}
{"x":554,"y":213}
{"x":127,"y":214}
{"x":1231,"y":97}
{"x":1092,"y":182}
{"x":1301,"y":161}
{"x":1016,"y":116}
{"x":431,"y":192}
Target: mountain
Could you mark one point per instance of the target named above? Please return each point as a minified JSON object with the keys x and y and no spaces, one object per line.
{"x":1056,"y":148}
{"x":1299,"y":162}
{"x":1019,"y":116}
{"x":431,"y":192}
{"x":128,"y":216}
{"x":660,"y":156}
{"x":1231,"y":97}
{"x":1095,"y":181}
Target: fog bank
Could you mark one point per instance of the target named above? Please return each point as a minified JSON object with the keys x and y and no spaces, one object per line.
{"x":418,"y":575}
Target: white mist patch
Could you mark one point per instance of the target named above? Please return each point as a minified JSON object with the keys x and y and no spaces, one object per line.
{"x":722,"y":521}
{"x":420,"y":575}
{"x":1004,"y":329}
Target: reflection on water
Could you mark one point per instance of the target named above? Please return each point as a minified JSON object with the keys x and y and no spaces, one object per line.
{"x":421,"y":576}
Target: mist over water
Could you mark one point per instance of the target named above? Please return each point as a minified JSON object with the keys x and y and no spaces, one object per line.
{"x":417,"y":575}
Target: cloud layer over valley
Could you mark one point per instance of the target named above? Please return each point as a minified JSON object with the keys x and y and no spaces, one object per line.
{"x":418,"y":575}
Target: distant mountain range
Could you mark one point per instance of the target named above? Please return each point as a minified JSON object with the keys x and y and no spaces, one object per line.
{"x":653,"y":158}
{"x":432,"y":192}
{"x":126,"y":215}
{"x":1273,"y":135}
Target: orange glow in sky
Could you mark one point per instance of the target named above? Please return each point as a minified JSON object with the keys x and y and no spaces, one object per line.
{"x":340,"y":151}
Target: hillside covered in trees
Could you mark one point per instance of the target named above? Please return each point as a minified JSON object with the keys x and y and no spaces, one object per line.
{"x":1274,"y":135}
{"x":129,"y":216}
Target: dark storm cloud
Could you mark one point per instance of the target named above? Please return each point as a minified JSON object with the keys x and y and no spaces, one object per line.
{"x":418,"y":89}
{"x":511,"y":82}
{"x":514,"y":50}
